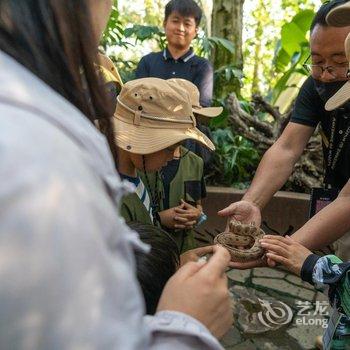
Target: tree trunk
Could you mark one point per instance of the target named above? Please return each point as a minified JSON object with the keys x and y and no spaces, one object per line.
{"x":308,"y":171}
{"x":227,"y":22}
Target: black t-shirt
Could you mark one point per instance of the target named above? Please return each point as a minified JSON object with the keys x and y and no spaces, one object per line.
{"x":309,"y":110}
{"x":196,"y":69}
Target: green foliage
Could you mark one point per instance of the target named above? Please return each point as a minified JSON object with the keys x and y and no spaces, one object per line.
{"x":208,"y":44}
{"x":282,"y":39}
{"x":226,"y":77}
{"x":142,"y":33}
{"x":235,"y":159}
{"x":203,"y":46}
{"x":114,"y":33}
{"x":292,"y":50}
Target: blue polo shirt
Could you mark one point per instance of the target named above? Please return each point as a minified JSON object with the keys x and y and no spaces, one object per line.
{"x":196,"y":69}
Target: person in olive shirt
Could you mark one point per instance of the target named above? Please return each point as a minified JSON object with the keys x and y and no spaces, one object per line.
{"x":151,"y":119}
{"x":182,"y":181}
{"x":328,"y":73}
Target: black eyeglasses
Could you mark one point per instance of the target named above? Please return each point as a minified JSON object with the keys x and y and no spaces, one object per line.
{"x":336,"y":71}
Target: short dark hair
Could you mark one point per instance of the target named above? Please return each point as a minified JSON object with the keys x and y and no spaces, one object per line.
{"x":323,"y":11}
{"x":186,"y":8}
{"x":154,"y":269}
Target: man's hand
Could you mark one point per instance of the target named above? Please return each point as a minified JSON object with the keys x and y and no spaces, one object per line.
{"x":286,"y":251}
{"x":242,"y":211}
{"x":199,"y":289}
{"x":195,"y":254}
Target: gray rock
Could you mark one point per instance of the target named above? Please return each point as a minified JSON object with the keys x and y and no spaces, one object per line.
{"x":306,"y":335}
{"x":239,"y":275}
{"x":299,"y":282}
{"x":252,"y":317}
{"x":247,"y":345}
{"x":232,"y":337}
{"x":285,"y":288}
{"x":268,"y":272}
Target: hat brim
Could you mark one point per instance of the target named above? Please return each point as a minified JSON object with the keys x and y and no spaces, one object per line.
{"x":210,"y":112}
{"x":339,"y":98}
{"x":339,"y":16}
{"x":144,"y":140}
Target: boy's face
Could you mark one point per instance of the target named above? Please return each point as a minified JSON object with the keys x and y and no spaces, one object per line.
{"x":180,"y":31}
{"x":154,"y":161}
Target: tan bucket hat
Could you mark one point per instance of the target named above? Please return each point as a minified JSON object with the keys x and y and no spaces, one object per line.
{"x":343,"y":94}
{"x":339,"y":16}
{"x":109,"y":70}
{"x":153,"y":114}
{"x":193,"y":91}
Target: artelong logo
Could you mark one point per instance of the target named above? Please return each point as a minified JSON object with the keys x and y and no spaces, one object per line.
{"x":279,"y":313}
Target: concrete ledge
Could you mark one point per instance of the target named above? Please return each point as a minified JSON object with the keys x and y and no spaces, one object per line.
{"x":285,"y":209}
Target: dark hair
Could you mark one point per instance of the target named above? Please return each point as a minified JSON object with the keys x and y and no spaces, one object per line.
{"x":321,"y":14}
{"x":154,"y":269}
{"x":186,"y":8}
{"x":55,"y":41}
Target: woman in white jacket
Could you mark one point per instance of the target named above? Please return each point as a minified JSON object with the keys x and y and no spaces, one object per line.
{"x":66,"y":263}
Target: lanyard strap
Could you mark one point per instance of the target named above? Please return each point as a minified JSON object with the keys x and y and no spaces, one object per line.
{"x":333,"y":160}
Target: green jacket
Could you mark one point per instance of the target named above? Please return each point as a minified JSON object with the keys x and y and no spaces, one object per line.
{"x":132,"y":209}
{"x":186,"y":185}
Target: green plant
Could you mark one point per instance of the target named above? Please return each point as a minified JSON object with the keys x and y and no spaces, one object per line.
{"x":142,"y":33}
{"x":114,"y":32}
{"x":235,"y":159}
{"x":292,"y":50}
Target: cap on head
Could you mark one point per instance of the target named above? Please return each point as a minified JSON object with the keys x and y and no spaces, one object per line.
{"x":153,"y":114}
{"x":339,"y":16}
{"x":193,"y":92}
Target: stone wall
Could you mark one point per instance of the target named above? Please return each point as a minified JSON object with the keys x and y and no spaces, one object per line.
{"x":284,"y":210}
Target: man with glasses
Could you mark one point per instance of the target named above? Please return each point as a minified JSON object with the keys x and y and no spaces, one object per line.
{"x":328,"y":72}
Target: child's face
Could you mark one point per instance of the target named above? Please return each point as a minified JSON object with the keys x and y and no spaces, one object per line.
{"x":154,"y":161}
{"x":179,"y":30}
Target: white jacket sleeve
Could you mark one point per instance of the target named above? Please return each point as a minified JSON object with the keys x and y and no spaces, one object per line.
{"x":66,"y":265}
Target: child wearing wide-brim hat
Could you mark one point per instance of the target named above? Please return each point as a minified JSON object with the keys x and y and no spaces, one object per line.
{"x":152,"y":118}
{"x":182,"y":181}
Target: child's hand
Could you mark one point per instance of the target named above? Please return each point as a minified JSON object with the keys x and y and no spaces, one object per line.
{"x":171,"y":219}
{"x":195,"y":254}
{"x":286,"y":251}
{"x":188,"y":211}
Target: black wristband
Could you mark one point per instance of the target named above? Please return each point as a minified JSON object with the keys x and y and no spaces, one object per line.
{"x":308,"y":268}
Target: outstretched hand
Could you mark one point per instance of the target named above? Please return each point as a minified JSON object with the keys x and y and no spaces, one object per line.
{"x":242,"y":211}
